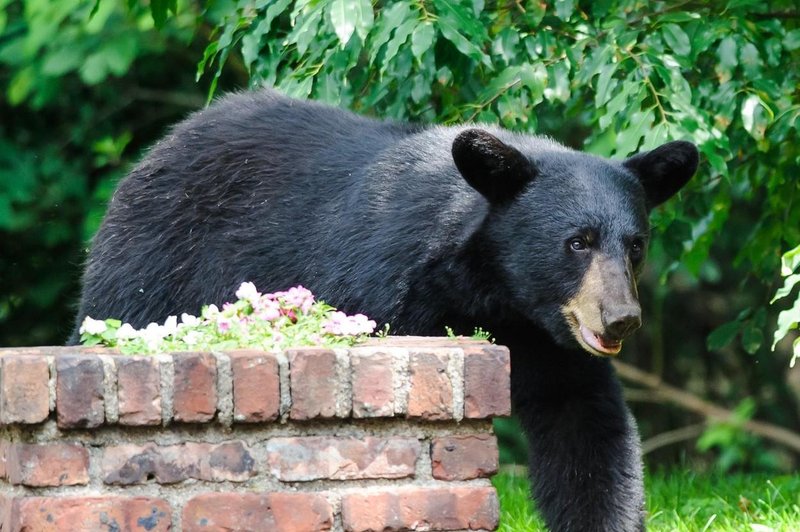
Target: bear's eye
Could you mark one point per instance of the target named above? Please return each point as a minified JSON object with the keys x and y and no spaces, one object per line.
{"x":578,"y":244}
{"x":637,"y":249}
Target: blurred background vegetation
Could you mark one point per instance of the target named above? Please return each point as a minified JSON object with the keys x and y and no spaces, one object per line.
{"x":87,"y":85}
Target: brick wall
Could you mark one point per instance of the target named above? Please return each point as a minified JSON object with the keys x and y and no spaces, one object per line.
{"x":392,"y":435}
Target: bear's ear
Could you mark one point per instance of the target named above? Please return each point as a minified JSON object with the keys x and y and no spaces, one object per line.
{"x":664,"y":170}
{"x":493,"y":168}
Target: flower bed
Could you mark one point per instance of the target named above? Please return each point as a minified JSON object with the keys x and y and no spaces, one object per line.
{"x":394,"y":434}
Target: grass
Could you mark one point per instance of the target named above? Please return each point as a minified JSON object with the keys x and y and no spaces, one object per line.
{"x":683,"y":501}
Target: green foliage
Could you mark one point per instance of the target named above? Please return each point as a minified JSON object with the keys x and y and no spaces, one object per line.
{"x":66,"y":134}
{"x":682,"y":501}
{"x":737,"y":448}
{"x":513,"y":444}
{"x":789,"y":319}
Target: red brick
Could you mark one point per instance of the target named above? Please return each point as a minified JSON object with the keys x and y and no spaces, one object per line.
{"x":88,"y":514}
{"x":430,"y":393}
{"x":300,"y":512}
{"x":47,"y":464}
{"x":168,"y":464}
{"x":313,"y":458}
{"x":256,"y":386}
{"x":487,"y":381}
{"x":7,"y":514}
{"x":373,"y":384}
{"x":314,"y":383}
{"x":24,"y":389}
{"x":79,"y":391}
{"x":195,"y":387}
{"x":420,"y":508}
{"x":139,"y":390}
{"x":464,"y":457}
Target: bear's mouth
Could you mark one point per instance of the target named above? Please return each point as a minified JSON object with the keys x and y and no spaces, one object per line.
{"x":598,"y":343}
{"x":593,"y":342}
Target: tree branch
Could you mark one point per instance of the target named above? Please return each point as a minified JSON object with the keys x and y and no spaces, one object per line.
{"x":669,"y":437}
{"x":689,"y":401}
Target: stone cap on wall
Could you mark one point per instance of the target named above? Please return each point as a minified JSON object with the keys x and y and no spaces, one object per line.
{"x":427,"y":379}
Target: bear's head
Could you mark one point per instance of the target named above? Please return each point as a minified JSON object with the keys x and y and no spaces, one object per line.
{"x":569,"y":231}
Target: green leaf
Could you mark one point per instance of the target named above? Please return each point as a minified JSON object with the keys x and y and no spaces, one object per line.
{"x":506,"y":45}
{"x":628,"y":139}
{"x":534,"y":77}
{"x":422,"y":39}
{"x":676,"y":39}
{"x":158,"y":9}
{"x":752,"y":338}
{"x":306,"y":30}
{"x":787,"y":320}
{"x":20,"y":86}
{"x":565,"y":9}
{"x":459,"y":26}
{"x":788,"y":285}
{"x":791,"y":41}
{"x":790,"y":261}
{"x":723,"y":335}
{"x":750,"y":60}
{"x":754,"y":117}
{"x":119,"y":53}
{"x":389,"y":20}
{"x":399,"y":38}
{"x":343,"y":17}
{"x":94,"y":68}
{"x":62,"y":60}
{"x":365,"y":18}
{"x":604,"y":84}
{"x":728,"y":56}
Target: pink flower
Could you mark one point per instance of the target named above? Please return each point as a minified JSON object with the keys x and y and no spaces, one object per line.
{"x":267,"y":309}
{"x":296,"y":297}
{"x":341,"y":324}
{"x":223,"y":324}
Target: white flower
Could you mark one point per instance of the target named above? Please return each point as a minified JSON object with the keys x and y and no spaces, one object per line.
{"x":248,"y":292}
{"x":191,"y":338}
{"x":127,"y":332}
{"x":91,"y":326}
{"x":153,"y":334}
{"x":171,"y":326}
{"x":210,"y":311}
{"x":189,"y":320}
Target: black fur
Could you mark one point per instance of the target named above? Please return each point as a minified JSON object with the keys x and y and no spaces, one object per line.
{"x":379,"y":218}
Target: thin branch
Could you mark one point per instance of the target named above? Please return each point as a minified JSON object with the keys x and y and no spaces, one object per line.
{"x":180,"y":99}
{"x":689,"y":401}
{"x":669,"y":437}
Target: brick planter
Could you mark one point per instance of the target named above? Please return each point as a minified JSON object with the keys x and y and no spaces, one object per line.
{"x":392,"y":435}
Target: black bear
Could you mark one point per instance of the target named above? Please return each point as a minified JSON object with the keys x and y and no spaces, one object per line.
{"x":421,"y":227}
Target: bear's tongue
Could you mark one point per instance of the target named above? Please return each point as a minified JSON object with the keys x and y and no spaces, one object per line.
{"x":599,"y":343}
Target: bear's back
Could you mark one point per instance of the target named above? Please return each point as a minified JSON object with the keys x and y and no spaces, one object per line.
{"x":263,"y":188}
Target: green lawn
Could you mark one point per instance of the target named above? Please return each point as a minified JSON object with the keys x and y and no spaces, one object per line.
{"x":685,"y":502}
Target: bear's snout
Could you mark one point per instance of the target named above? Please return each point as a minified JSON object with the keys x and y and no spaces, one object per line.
{"x":620,"y":321}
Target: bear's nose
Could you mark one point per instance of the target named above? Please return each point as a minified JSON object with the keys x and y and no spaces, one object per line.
{"x":621,"y":321}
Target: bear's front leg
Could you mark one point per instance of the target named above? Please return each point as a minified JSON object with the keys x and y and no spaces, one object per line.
{"x":585,"y":458}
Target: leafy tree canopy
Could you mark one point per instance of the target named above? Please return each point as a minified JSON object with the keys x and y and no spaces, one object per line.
{"x":611,"y":77}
